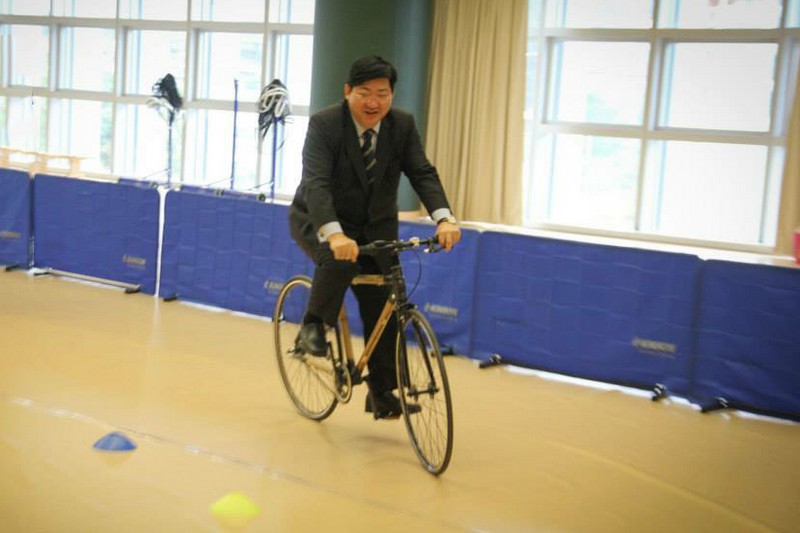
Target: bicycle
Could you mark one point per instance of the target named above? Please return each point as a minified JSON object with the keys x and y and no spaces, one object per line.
{"x":317,"y":384}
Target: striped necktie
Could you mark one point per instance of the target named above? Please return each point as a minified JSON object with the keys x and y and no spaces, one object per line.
{"x":368,"y":152}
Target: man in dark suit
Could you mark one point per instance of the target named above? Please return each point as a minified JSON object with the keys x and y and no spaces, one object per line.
{"x":353,"y":156}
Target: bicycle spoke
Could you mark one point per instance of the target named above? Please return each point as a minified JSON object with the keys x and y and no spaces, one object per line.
{"x":423,"y":382}
{"x":310,"y":381}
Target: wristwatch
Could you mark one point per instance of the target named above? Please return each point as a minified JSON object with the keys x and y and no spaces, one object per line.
{"x":449,"y":218}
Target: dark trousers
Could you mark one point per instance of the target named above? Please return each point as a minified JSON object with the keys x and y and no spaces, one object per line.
{"x":331,"y":280}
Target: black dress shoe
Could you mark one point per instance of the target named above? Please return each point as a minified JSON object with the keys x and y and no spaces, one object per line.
{"x":311,"y":339}
{"x":387,"y":406}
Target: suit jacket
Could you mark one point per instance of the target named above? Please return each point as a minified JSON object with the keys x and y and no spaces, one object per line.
{"x":334,"y":186}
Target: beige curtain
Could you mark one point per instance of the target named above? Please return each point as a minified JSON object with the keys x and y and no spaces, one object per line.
{"x":477,"y":98}
{"x":789,"y":218}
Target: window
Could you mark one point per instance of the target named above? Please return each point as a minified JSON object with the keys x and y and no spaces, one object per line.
{"x":228,"y":10}
{"x":599,"y":82}
{"x":153,"y":9}
{"x":294,"y":66}
{"x":82,"y":128}
{"x":77,"y":77}
{"x":87,"y":59}
{"x":147,"y":134}
{"x":720,"y":14}
{"x":719,"y":86}
{"x":210,"y":149}
{"x":692,"y":201}
{"x":289,"y":144}
{"x":26,"y":123}
{"x":292,"y":11}
{"x":641,"y":122}
{"x":29,"y":44}
{"x":25,"y":7}
{"x":605,"y":14}
{"x":228,"y":59}
{"x":85,"y":8}
{"x":142,"y":73}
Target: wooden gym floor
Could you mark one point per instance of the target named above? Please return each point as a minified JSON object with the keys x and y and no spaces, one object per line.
{"x":199,"y":393}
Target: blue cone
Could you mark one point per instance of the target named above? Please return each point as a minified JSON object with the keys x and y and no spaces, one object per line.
{"x":115,"y":442}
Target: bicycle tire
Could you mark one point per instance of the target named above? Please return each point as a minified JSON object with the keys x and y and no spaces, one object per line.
{"x":422,"y":381}
{"x":310,"y":381}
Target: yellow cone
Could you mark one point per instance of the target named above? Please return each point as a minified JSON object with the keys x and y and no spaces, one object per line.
{"x":235,"y":508}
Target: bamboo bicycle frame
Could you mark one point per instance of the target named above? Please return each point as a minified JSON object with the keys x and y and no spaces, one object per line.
{"x":396,"y":298}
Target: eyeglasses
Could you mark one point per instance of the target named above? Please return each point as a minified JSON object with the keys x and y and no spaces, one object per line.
{"x":380,"y":97}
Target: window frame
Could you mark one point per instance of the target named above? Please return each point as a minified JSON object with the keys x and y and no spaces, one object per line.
{"x":118,"y":94}
{"x":538,"y":122}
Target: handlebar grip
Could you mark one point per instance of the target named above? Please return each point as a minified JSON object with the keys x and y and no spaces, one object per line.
{"x":373,"y":247}
{"x":431,"y":245}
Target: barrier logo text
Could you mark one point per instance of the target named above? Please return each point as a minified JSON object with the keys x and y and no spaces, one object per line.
{"x":654,"y":347}
{"x":134,"y":261}
{"x":273,"y":286}
{"x":441,"y":311}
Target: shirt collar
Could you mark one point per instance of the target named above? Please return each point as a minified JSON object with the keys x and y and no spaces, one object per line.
{"x":360,"y":129}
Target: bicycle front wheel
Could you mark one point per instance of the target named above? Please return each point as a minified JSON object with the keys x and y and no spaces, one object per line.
{"x":424,"y":392}
{"x":310,"y":381}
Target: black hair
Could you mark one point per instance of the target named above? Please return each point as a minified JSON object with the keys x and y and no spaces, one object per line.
{"x":369,"y":68}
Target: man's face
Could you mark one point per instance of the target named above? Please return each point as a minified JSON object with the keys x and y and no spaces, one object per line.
{"x":370,"y":101}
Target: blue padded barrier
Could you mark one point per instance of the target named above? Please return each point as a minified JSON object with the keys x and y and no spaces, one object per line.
{"x":446,"y":285}
{"x":15,"y":218}
{"x":599,"y":312}
{"x":748,"y":338}
{"x":199,"y":189}
{"x":98,"y":229}
{"x":227,"y":251}
{"x":146,"y":184}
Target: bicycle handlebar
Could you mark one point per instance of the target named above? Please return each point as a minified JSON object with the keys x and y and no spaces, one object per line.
{"x":431,"y":246}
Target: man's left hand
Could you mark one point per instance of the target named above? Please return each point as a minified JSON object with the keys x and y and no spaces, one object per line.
{"x":448,"y":235}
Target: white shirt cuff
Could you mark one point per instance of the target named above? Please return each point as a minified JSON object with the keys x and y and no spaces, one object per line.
{"x":329,"y":229}
{"x":439,"y":214}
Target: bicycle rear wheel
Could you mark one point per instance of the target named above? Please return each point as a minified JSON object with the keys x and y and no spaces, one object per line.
{"x":422,"y":382}
{"x":310,"y":381}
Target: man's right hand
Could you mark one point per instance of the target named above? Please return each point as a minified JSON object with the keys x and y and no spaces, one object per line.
{"x":343,"y":247}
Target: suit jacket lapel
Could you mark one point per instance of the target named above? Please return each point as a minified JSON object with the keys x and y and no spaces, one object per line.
{"x":384,"y":149}
{"x":353,"y":148}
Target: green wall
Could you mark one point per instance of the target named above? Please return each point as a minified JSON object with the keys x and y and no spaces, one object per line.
{"x":398,"y":30}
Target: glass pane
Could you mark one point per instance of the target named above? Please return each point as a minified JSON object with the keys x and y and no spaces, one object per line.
{"x":711,"y":191}
{"x":595,"y":14}
{"x":153,"y":9}
{"x":27,"y":123}
{"x":83,"y":128}
{"x":720,"y":14}
{"x":225,"y":57}
{"x":85,"y":8}
{"x":294,"y":66}
{"x":793,"y":14}
{"x":594,"y":181}
{"x":721,"y":86}
{"x":151,"y":56}
{"x":26,"y":7}
{"x":87,"y":59}
{"x":289,"y":160}
{"x":229,"y":10}
{"x":292,"y":11}
{"x":143,"y":143}
{"x":210,"y":146}
{"x":600,"y":82}
{"x":30,"y":49}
